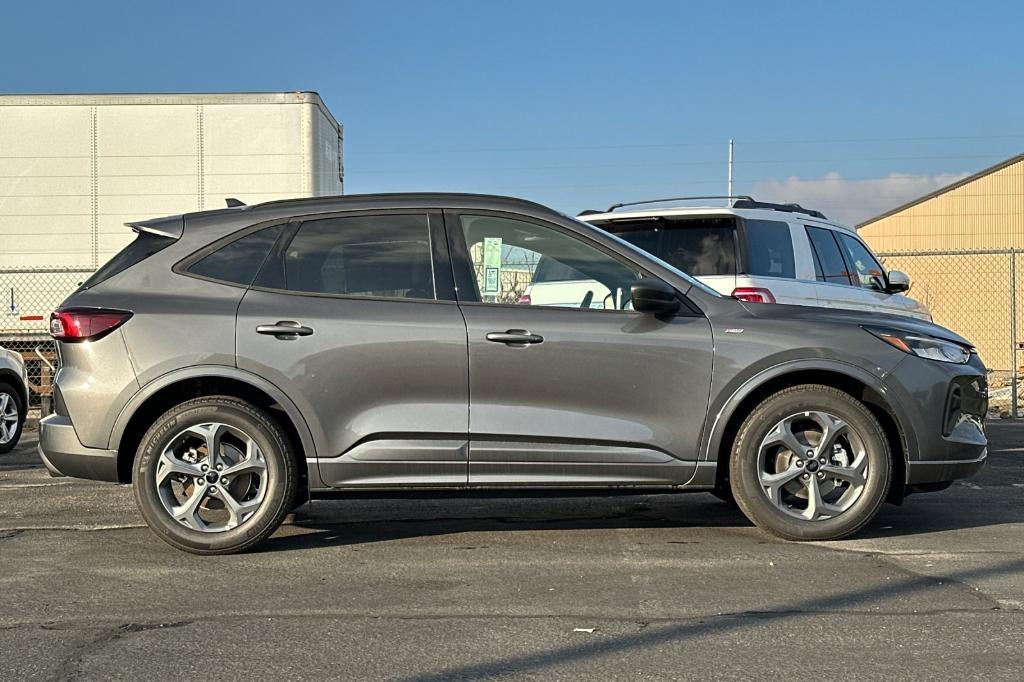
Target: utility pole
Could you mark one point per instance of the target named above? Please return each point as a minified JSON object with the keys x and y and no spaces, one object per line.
{"x":729,"y":193}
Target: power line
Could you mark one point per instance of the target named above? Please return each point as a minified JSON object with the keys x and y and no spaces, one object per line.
{"x":671,"y":164}
{"x":717,"y":143}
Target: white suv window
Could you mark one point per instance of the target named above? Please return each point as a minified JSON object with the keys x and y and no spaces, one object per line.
{"x":698,"y":246}
{"x":867,"y":269}
{"x":769,"y":249}
{"x":829,"y":264}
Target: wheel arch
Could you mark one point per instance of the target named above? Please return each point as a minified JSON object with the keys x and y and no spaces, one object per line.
{"x":850,"y":379}
{"x":162,"y":393}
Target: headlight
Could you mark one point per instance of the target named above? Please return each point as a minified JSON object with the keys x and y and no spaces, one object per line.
{"x":922,"y":345}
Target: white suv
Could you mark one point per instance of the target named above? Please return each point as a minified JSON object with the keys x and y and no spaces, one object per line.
{"x":762,"y":252}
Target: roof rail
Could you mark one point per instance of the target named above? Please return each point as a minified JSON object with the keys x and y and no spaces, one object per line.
{"x":788,"y":208}
{"x":670,"y":199}
{"x":738,"y":201}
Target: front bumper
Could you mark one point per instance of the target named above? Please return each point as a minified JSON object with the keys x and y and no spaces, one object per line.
{"x":942,"y":408}
{"x":926,"y":472}
{"x":64,"y":455}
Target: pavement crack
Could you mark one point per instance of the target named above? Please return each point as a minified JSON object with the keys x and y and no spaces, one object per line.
{"x":71,"y":666}
{"x":117,"y":630}
{"x":71,"y":528}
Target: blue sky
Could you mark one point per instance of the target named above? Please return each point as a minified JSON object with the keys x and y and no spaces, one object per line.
{"x":850,"y":107}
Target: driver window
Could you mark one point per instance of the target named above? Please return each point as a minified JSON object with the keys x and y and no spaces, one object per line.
{"x":869,"y":272}
{"x":521,"y":263}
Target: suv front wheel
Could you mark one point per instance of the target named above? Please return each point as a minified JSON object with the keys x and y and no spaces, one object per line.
{"x":214,"y":475}
{"x":811,"y":463}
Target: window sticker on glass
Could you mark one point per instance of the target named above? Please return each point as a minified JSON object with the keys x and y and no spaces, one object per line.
{"x":492,"y":266}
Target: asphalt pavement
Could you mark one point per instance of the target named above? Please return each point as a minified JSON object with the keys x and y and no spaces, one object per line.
{"x":637,"y":587}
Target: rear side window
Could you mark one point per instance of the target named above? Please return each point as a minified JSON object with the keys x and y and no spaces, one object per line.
{"x":240,"y":260}
{"x":141,"y":248}
{"x":701,"y":250}
{"x":698,"y":247}
{"x":829,"y":265}
{"x":373,"y":256}
{"x":769,"y":249}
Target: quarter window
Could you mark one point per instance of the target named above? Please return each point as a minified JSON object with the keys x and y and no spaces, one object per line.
{"x":518,"y":262}
{"x":240,"y":260}
{"x":829,"y":265}
{"x":769,"y":249}
{"x":364,"y":256}
{"x":869,"y":272}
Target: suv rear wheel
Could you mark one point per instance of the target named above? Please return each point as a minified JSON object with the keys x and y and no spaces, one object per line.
{"x":810,"y":463}
{"x":215,"y":475}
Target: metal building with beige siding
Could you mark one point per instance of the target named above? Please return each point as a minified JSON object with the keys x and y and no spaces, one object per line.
{"x":963,"y":247}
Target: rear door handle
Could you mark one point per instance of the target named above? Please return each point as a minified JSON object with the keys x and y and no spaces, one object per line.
{"x":285,"y":329}
{"x":515,"y":337}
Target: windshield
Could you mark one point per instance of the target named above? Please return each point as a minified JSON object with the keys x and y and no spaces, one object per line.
{"x":650,"y":256}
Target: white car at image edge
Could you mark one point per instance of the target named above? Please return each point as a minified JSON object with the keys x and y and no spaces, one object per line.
{"x":13,"y":398}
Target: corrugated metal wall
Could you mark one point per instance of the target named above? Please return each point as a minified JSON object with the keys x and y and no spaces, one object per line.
{"x":985,"y":213}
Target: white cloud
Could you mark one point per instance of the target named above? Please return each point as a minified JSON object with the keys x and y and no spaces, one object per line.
{"x":852,"y":201}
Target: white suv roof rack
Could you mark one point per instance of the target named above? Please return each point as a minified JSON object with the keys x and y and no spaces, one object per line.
{"x":737,"y":201}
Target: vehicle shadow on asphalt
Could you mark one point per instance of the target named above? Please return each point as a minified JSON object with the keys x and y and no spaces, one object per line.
{"x":917,"y":516}
{"x":991,"y":498}
{"x":409,"y":519}
{"x":955,"y":509}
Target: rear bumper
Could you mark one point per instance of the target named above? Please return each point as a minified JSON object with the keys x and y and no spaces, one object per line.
{"x":64,"y":455}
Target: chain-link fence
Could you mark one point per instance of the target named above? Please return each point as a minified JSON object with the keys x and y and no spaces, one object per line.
{"x":975,"y":293}
{"x":28,"y":298}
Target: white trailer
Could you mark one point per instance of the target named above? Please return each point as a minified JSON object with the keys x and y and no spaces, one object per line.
{"x":75,"y":168}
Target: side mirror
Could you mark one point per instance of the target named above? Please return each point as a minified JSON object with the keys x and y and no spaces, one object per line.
{"x":653,"y":296}
{"x":898,"y":282}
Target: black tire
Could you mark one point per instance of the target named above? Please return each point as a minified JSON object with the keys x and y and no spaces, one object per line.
{"x":743,"y":466}
{"x":282,"y":475}
{"x":14,"y":395}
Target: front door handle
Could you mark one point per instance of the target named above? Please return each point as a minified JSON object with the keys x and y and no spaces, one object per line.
{"x":515,"y":337}
{"x":285,"y":329}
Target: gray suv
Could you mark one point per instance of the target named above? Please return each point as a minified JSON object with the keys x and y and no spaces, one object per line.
{"x":232,"y":364}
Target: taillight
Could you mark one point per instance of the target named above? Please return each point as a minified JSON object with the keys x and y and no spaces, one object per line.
{"x":85,"y":324}
{"x":525,"y":300}
{"x":753,"y":295}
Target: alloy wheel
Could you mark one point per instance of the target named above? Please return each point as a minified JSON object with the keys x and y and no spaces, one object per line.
{"x":9,"y":418}
{"x":211,"y":477}
{"x":812,"y":466}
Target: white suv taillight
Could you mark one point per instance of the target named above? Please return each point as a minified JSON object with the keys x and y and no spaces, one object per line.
{"x":85,"y":324}
{"x":753,"y":295}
